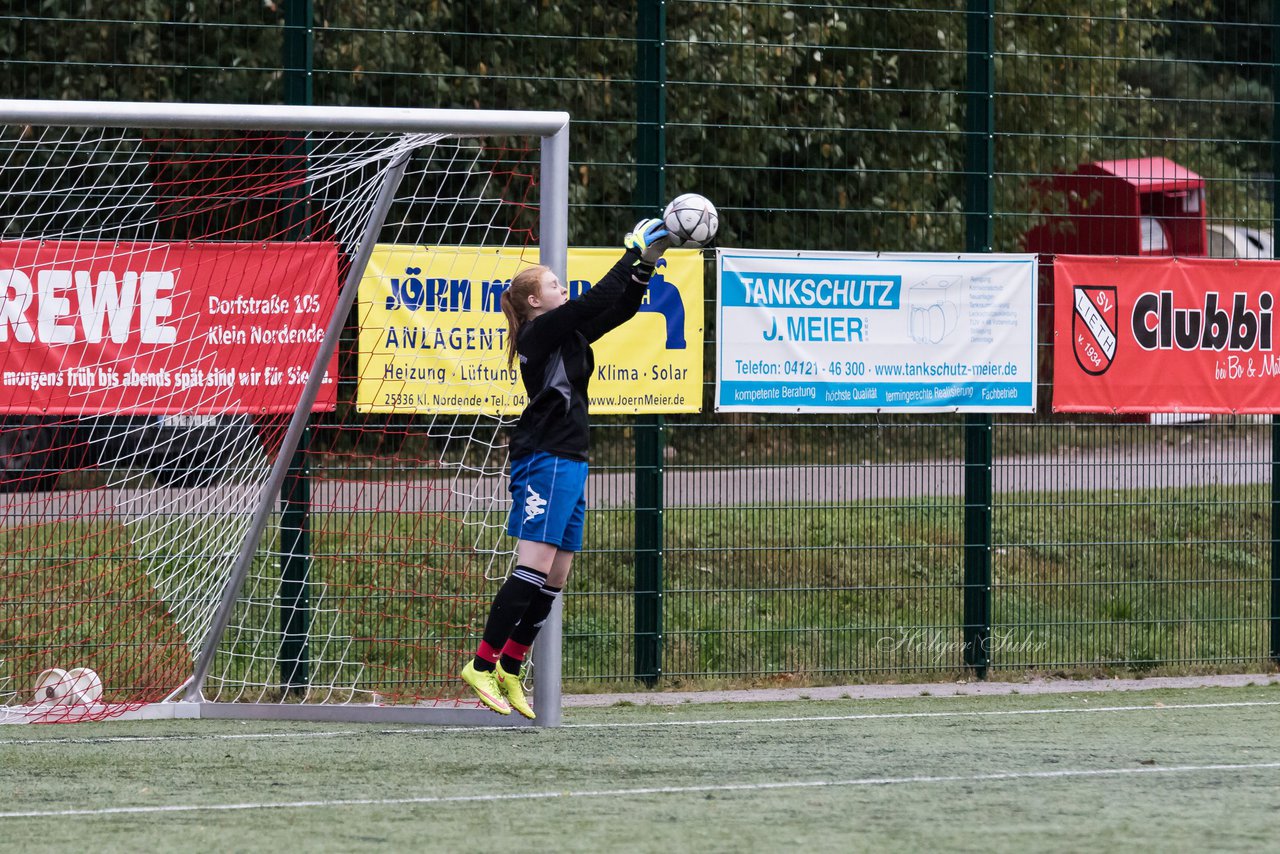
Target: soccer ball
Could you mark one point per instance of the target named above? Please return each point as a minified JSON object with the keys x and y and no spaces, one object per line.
{"x":85,"y":687}
{"x":691,"y":220}
{"x":52,"y":687}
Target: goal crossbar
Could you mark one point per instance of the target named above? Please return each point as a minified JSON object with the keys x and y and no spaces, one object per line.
{"x":552,"y":126}
{"x":543,"y":123}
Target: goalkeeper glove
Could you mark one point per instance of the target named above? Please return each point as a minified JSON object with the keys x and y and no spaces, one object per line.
{"x":649,"y":238}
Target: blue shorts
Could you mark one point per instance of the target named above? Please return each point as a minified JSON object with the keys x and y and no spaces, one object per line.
{"x":548,"y":500}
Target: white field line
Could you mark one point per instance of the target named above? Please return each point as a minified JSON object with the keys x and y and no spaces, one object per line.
{"x":707,"y":722}
{"x":648,"y":790}
{"x":906,"y":715}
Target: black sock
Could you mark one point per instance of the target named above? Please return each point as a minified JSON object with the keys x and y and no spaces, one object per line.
{"x":526,"y":631}
{"x":508,"y":608}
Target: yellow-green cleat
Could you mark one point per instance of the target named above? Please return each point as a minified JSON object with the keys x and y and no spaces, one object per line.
{"x":485,"y":684}
{"x":511,"y":688}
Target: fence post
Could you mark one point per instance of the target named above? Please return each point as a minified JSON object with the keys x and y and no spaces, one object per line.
{"x":295,"y":569}
{"x":295,"y":492}
{"x":979,"y":236}
{"x":650,"y":194}
{"x":298,"y":53}
{"x":1275,"y":419}
{"x":1275,"y":527}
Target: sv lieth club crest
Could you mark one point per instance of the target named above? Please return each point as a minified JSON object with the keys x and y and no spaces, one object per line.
{"x":1093,"y":327}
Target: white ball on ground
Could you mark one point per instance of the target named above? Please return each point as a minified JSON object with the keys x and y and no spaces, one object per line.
{"x":691,"y":220}
{"x":51,"y":687}
{"x":86,"y":687}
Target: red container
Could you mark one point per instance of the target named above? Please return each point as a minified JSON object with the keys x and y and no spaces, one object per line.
{"x":1143,"y":206}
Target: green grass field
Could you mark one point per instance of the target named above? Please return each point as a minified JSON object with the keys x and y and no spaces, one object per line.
{"x":1169,"y":770}
{"x":1177,"y":581}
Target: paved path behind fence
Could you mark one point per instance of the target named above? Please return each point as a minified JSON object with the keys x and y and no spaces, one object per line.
{"x":1195,"y":463}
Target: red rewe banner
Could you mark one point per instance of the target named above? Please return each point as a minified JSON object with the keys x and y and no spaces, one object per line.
{"x":1140,"y":335}
{"x":163,"y":328}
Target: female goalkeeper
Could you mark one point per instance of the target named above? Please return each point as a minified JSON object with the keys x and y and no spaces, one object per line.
{"x":552,"y":336}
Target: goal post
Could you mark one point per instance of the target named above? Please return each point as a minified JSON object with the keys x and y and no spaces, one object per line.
{"x":202,"y":306}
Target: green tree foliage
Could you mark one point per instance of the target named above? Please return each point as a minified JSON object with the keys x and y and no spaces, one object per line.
{"x":811,"y":125}
{"x":820,"y":127}
{"x":140,"y":50}
{"x":1213,"y":68}
{"x":490,"y":54}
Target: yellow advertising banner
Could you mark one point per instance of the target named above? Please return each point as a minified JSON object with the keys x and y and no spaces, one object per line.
{"x":433,"y":338}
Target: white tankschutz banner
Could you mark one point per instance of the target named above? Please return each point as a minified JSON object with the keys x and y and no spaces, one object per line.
{"x":904,"y":332}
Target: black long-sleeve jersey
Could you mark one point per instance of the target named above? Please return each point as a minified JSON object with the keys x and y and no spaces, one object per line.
{"x":556,"y":361}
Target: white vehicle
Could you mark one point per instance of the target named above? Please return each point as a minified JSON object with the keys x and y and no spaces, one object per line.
{"x":1237,"y":241}
{"x":179,"y":451}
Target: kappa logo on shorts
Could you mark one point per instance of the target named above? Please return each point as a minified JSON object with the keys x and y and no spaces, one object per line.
{"x":534,"y":505}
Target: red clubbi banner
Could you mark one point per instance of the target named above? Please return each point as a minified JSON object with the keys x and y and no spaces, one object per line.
{"x":160,"y":328}
{"x":1140,"y":335}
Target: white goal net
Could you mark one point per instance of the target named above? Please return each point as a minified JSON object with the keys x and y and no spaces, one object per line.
{"x":252,"y":396}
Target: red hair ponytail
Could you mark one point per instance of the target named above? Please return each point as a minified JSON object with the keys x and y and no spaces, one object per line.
{"x":515,"y":304}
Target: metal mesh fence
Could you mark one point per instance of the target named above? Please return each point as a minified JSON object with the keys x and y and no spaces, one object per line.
{"x":824,"y":548}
